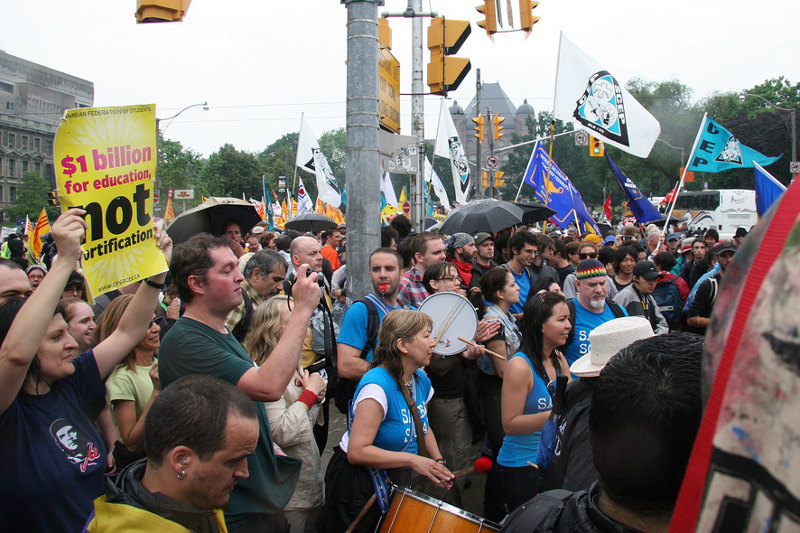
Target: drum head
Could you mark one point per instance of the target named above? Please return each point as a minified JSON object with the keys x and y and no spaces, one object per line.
{"x":453,"y":316}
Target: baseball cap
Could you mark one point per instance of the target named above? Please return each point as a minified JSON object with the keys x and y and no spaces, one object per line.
{"x":673,"y":237}
{"x":607,"y":339}
{"x":610,"y":239}
{"x":686,"y":244}
{"x":482,"y":236}
{"x":725,"y":246}
{"x":740,"y":232}
{"x":646,"y":270}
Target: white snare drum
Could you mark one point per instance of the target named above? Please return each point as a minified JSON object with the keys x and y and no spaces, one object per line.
{"x":453,"y":317}
{"x":412,"y":512}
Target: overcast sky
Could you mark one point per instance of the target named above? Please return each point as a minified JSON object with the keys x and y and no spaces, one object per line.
{"x":261,"y":63}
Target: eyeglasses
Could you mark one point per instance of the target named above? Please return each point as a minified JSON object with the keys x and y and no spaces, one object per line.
{"x":454,"y":279}
{"x":588,"y":256}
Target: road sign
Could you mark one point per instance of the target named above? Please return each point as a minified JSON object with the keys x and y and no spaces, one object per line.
{"x":406,"y":208}
{"x":794,"y":167}
{"x":389,"y":90}
{"x":155,"y":196}
{"x":581,"y":138}
{"x":183,"y":194}
{"x":492,"y":161}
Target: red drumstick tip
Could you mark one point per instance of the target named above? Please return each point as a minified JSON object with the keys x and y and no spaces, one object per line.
{"x":483,"y":464}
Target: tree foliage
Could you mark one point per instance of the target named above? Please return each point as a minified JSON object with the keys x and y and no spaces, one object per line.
{"x":178,"y":168}
{"x":31,"y":197}
{"x":231,"y":172}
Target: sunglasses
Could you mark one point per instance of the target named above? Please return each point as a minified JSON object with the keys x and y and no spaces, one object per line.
{"x":588,"y":256}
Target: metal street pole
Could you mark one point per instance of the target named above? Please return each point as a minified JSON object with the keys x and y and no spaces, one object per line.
{"x":363,"y":163}
{"x":793,"y":111}
{"x":418,"y":111}
{"x":479,"y":178}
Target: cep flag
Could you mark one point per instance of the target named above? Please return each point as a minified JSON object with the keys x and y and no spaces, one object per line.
{"x":717,"y":150}
{"x":588,"y":94}
{"x":642,"y":208}
{"x":557,"y":192}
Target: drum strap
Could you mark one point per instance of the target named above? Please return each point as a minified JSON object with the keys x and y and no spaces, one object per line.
{"x":412,"y":406}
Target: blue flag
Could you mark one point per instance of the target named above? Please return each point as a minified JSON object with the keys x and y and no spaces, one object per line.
{"x":717,"y":150}
{"x":643,"y":210}
{"x":768,"y":189}
{"x":557,"y":193}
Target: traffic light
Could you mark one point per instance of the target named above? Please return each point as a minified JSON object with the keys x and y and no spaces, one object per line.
{"x":52,"y":197}
{"x":384,"y":33}
{"x":496,"y":127}
{"x":161,"y":10}
{"x":596,"y":148}
{"x":485,"y":180}
{"x":498,"y":179}
{"x":489,"y":11}
{"x":479,"y":128}
{"x":526,"y":18}
{"x":445,"y":37}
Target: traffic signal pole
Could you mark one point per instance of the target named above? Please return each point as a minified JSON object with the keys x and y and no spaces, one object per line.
{"x":418,"y":110}
{"x":363,"y":163}
{"x":479,"y":173}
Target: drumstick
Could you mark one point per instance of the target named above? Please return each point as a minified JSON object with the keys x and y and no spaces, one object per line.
{"x":362,"y":513}
{"x":533,"y":465}
{"x":487,"y":350}
{"x":449,"y":318}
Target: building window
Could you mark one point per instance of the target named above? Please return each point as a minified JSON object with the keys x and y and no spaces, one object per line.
{"x":12,"y":168}
{"x":48,"y":145}
{"x":1,"y":167}
{"x":12,"y":194}
{"x":24,"y":142}
{"x":11,"y":140}
{"x":36,"y":144}
{"x":24,"y":167}
{"x":37,"y":167}
{"x":1,"y":194}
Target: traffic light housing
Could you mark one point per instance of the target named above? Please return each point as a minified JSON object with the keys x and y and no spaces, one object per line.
{"x":498,"y":179}
{"x":496,"y":127}
{"x":52,"y":197}
{"x":445,"y":37}
{"x":384,"y":33}
{"x":485,"y":179}
{"x":489,"y":11}
{"x":480,"y":128}
{"x":596,"y":147}
{"x":526,"y":18}
{"x":161,"y":10}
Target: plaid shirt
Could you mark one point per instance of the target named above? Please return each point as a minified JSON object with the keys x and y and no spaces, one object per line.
{"x":412,"y":291}
{"x":237,"y":314}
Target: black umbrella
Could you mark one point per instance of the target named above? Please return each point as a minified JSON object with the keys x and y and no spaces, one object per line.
{"x":210,"y":216}
{"x":312,"y":222}
{"x":534,"y":212}
{"x":487,"y":215}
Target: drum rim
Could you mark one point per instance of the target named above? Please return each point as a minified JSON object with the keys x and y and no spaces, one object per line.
{"x":468,"y":305}
{"x":442,"y":506}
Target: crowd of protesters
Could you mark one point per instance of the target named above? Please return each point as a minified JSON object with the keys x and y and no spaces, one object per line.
{"x":199,"y":399}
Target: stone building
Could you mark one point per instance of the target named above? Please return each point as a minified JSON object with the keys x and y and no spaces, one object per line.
{"x":33,"y":99}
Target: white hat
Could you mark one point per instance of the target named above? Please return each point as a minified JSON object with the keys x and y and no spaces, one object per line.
{"x":607,"y":339}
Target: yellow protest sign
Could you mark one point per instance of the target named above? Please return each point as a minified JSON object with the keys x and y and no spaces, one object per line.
{"x":106,"y":163}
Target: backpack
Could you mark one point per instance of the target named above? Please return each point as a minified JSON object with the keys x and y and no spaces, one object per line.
{"x":241,"y":329}
{"x":346,"y":388}
{"x":668,"y":299}
{"x":615,"y":308}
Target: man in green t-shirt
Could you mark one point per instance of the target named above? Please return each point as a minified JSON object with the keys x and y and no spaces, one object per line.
{"x":204,"y":269}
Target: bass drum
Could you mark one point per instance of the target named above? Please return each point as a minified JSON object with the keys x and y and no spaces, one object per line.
{"x":412,"y":512}
{"x":453,"y":317}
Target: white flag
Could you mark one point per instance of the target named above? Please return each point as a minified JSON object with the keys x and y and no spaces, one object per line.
{"x":433,"y":178}
{"x":304,"y":203}
{"x":590,"y":96}
{"x":310,"y":158}
{"x":449,"y":145}
{"x":388,"y":190}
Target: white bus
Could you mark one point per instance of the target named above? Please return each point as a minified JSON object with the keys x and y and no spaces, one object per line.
{"x":722,"y":209}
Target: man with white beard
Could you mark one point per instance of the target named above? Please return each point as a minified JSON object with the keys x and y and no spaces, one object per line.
{"x":590,"y":307}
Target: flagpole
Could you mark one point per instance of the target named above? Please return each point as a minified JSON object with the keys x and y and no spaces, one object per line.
{"x":294,"y":178}
{"x":522,"y":181}
{"x":680,"y":181}
{"x":552,"y":137}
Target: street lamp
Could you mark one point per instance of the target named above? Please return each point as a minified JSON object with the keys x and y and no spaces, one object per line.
{"x":171,"y":118}
{"x":745,"y":94}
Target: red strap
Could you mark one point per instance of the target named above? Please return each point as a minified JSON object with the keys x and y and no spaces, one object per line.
{"x":687,"y":508}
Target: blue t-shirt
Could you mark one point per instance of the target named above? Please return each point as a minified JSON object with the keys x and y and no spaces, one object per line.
{"x":585,"y":322}
{"x":355,"y":321}
{"x":524,"y":284}
{"x":518,"y":450}
{"x":396,"y":433}
{"x":53,"y":460}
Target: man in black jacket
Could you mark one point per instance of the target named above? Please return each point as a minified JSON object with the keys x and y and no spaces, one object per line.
{"x":645,"y":413}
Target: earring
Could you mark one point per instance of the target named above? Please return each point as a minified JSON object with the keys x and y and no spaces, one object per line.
{"x":182,"y":474}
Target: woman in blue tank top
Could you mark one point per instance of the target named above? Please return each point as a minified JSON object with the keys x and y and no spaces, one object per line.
{"x":526,"y":402}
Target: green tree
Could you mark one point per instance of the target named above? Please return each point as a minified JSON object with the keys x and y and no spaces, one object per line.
{"x":178,"y":168}
{"x":231,"y":172}
{"x":31,"y":198}
{"x":278,"y":159}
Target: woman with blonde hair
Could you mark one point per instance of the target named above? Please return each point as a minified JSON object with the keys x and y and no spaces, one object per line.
{"x":133,"y":385}
{"x":389,"y":429}
{"x":291,"y":418}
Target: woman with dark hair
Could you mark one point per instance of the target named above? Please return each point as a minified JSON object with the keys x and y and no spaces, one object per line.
{"x":133,"y":385}
{"x":526,"y":402}
{"x":500,"y":289}
{"x":623,"y":267}
{"x":53,"y":460}
{"x":389,"y":428}
{"x":545,"y":285}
